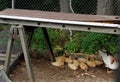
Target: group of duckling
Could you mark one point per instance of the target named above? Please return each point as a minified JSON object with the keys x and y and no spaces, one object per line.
{"x":75,"y":63}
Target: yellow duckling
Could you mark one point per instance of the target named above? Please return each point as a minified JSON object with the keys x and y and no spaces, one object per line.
{"x":83,"y":66}
{"x":91,"y":63}
{"x":98,"y":62}
{"x":72,"y":66}
{"x":76,"y":62}
{"x":59,"y":61}
{"x":84,"y":60}
{"x":60,"y":58}
{"x":69,"y":59}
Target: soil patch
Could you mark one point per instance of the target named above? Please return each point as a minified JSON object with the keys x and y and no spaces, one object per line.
{"x":45,"y":72}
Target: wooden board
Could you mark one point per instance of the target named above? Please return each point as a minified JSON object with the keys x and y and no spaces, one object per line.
{"x":59,"y":15}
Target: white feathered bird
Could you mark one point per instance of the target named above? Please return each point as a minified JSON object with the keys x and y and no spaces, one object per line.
{"x":110,"y":61}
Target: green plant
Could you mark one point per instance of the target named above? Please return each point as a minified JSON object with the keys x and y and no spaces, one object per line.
{"x":74,"y":45}
{"x":38,"y":41}
{"x":57,"y":38}
{"x":88,"y":42}
{"x":97,"y":41}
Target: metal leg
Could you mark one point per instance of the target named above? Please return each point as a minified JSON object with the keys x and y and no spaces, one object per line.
{"x":8,"y":51}
{"x":30,"y":38}
{"x":26,"y":54}
{"x":30,"y":31}
{"x":52,"y":57}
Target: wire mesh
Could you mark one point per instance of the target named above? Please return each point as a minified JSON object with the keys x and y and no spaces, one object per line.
{"x":5,"y":4}
{"x":90,"y":44}
{"x":78,"y":6}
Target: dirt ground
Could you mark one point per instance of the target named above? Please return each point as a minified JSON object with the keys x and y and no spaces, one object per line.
{"x":45,"y":72}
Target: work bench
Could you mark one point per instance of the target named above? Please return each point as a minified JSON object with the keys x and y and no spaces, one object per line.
{"x":27,"y":20}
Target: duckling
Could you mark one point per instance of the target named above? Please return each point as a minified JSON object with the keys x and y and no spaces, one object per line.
{"x":76,"y":62}
{"x":84,"y":60}
{"x":72,"y":66}
{"x":57,"y":63}
{"x":69,"y":59}
{"x":91,"y":57}
{"x":83,"y":66}
{"x":98,"y":62}
{"x":60,"y":58}
{"x":91,"y":63}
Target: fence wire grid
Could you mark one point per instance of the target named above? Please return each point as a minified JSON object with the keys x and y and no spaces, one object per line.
{"x":107,"y":7}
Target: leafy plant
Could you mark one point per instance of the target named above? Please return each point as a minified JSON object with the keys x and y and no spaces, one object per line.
{"x":74,"y":45}
{"x":58,"y":38}
{"x":38,"y":41}
{"x":97,"y":41}
{"x":88,"y":42}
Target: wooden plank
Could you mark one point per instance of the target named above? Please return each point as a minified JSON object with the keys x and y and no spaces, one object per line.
{"x":57,"y":15}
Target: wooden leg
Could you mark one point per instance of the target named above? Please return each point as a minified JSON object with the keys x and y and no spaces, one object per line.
{"x":52,"y":57}
{"x":25,"y":52}
{"x":8,"y":50}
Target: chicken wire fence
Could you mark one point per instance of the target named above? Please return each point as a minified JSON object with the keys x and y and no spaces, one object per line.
{"x":94,"y":7}
{"x":110,"y":7}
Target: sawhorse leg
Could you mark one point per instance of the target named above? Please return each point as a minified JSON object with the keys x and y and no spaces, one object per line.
{"x":25,"y":52}
{"x":52,"y":57}
{"x":8,"y":51}
{"x":30,"y":30}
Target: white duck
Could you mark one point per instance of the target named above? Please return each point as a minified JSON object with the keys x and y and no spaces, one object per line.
{"x":110,"y":61}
